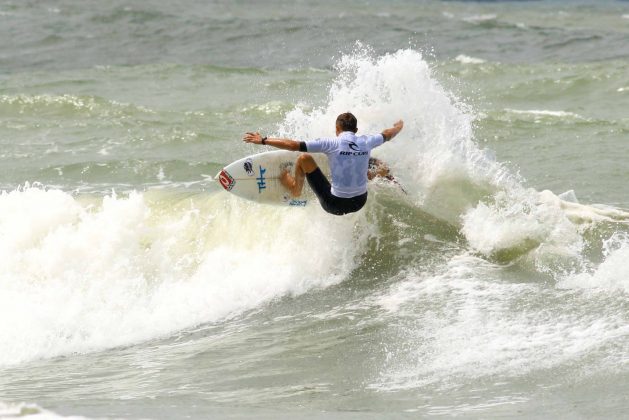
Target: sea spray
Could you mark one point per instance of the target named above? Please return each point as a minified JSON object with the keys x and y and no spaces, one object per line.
{"x":434,"y":154}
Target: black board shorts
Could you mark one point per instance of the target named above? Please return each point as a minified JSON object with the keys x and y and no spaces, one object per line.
{"x":331,"y":203}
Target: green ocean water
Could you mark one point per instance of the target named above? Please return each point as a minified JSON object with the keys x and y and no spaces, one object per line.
{"x":132,"y":286}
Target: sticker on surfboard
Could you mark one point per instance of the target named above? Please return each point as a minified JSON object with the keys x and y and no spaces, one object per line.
{"x":226,"y":180}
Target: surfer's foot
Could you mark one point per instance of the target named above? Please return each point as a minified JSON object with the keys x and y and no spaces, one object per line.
{"x":289,"y":182}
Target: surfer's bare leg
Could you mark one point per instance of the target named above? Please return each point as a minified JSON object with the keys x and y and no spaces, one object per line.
{"x":305,"y":164}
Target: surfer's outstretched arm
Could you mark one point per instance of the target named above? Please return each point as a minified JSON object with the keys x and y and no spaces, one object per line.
{"x":389,"y":133}
{"x":304,"y":164}
{"x":286,"y":144}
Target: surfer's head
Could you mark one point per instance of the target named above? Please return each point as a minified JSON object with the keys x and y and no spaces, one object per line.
{"x":346,"y":122}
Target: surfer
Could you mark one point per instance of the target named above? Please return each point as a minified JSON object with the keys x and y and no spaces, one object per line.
{"x":348,"y":155}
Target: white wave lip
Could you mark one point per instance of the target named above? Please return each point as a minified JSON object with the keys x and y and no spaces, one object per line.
{"x":466,"y":59}
{"x":81,"y":277}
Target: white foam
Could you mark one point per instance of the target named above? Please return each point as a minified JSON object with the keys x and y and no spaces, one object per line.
{"x":32,"y":411}
{"x":580,"y":213}
{"x":85,"y":276}
{"x":611,"y":275}
{"x":477,"y":19}
{"x":546,"y":113}
{"x":465,"y":59}
{"x":520,"y":220}
{"x":464,"y":323}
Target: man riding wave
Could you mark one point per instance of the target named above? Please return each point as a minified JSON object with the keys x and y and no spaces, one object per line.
{"x":349,"y":158}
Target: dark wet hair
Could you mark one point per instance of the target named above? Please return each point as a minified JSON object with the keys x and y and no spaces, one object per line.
{"x":347,"y":122}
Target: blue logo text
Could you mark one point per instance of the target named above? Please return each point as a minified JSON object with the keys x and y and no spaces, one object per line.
{"x":261,"y":180}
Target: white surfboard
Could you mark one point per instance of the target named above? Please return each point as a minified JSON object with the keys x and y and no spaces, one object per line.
{"x":256,"y":178}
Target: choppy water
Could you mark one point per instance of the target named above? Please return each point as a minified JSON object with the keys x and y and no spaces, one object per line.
{"x":132,"y":286}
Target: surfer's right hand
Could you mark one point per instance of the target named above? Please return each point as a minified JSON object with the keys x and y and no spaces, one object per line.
{"x":255,"y":138}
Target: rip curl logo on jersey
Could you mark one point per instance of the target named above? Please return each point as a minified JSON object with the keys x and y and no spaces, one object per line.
{"x":248,"y":165}
{"x":353,"y":153}
{"x":226,"y":180}
{"x":355,"y":150}
{"x":354,"y":146}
